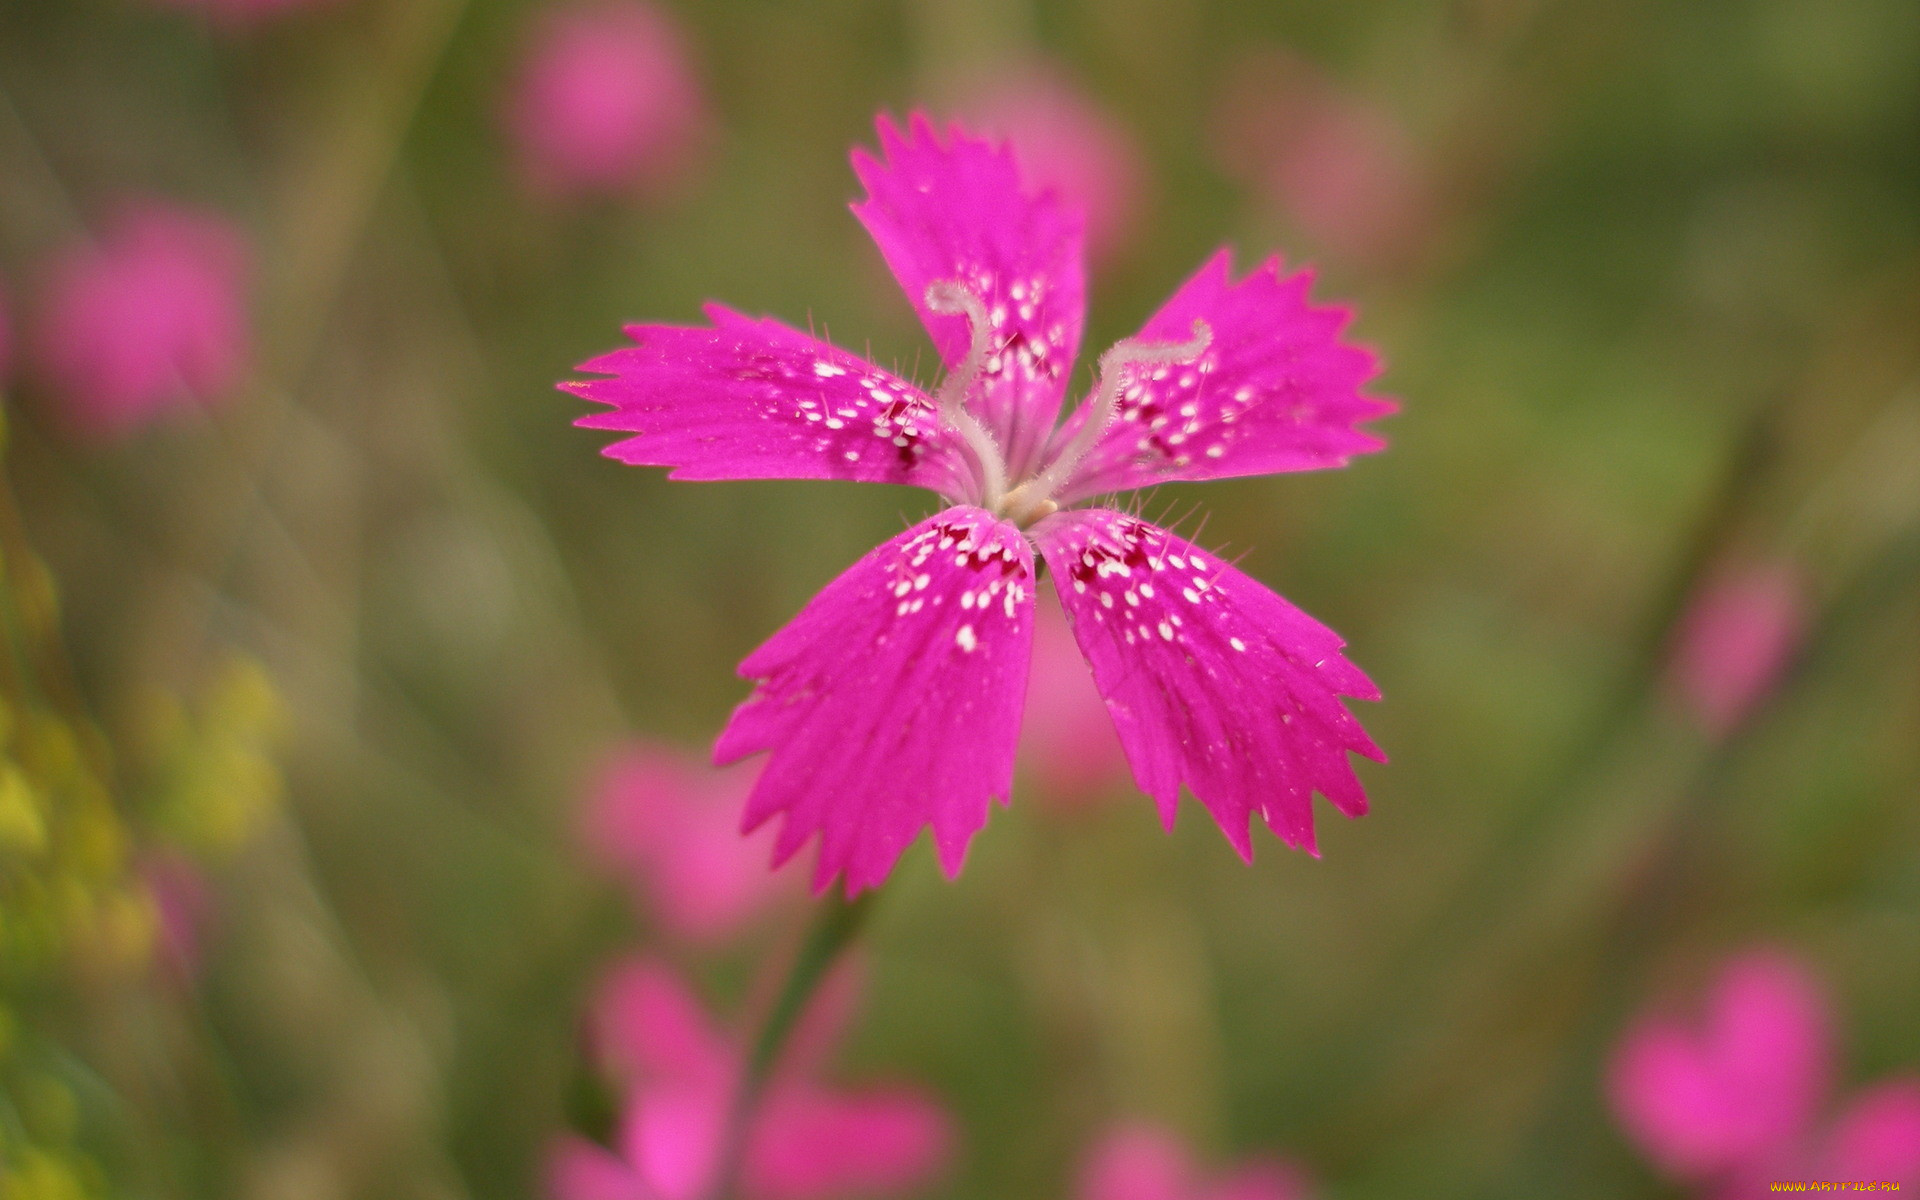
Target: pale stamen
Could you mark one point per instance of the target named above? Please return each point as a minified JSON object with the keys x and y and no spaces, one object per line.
{"x":1034,"y":498}
{"x":950,"y":298}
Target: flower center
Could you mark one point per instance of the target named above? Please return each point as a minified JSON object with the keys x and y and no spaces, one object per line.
{"x":1032,"y":498}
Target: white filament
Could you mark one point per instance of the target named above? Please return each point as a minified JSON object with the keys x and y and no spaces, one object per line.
{"x":1034,"y":498}
{"x":949,"y":297}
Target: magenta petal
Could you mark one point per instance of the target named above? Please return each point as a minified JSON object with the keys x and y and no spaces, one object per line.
{"x":670,"y":826}
{"x":960,"y":211}
{"x":1743,"y":1087}
{"x":184,"y":911}
{"x":577,"y":1169}
{"x":646,"y":1023}
{"x":1212,"y":680}
{"x":6,"y":339}
{"x":1136,"y":1162}
{"x":893,"y":700}
{"x":607,"y":100}
{"x":1671,"y":1104}
{"x":753,"y":399}
{"x":815,"y":1145}
{"x":1276,"y":389}
{"x":1768,"y":1038}
{"x":149,"y":319}
{"x":1877,"y":1137}
{"x":1738,"y":634}
{"x":674,"y":1135}
{"x":1067,"y":744}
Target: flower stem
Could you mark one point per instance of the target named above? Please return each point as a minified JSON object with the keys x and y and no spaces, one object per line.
{"x":834,"y":928}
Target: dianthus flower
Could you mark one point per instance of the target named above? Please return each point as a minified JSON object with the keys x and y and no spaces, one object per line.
{"x":607,"y":101}
{"x":183,"y":909}
{"x":1733,"y":1101}
{"x":6,"y":338}
{"x":1142,"y":1162}
{"x":149,"y":319}
{"x":671,"y":829}
{"x":679,"y":1072}
{"x":1735,"y":640}
{"x":893,"y":700}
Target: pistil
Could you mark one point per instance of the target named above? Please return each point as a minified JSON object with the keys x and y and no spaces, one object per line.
{"x":949,"y":297}
{"x":1033,"y":499}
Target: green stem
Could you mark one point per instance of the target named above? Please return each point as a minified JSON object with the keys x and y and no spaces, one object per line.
{"x":834,"y":928}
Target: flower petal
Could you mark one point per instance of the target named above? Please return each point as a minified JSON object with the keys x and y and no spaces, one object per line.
{"x":1768,"y":1039}
{"x":959,"y":212}
{"x":753,"y":399}
{"x":1745,"y":1083}
{"x":1136,"y":1162}
{"x":577,"y":1169}
{"x":1212,"y":680}
{"x":1671,"y":1104}
{"x":1067,"y":745}
{"x":1878,"y":1135}
{"x":647,"y":1024}
{"x":1275,"y":390}
{"x":811,"y":1144}
{"x":669,"y":827}
{"x":893,"y":700}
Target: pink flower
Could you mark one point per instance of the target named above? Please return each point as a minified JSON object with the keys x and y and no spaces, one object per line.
{"x":607,"y":101}
{"x":183,"y":907}
{"x":1141,"y":1162}
{"x":147,"y":320}
{"x":1734,"y":1100}
{"x":1736,"y":638}
{"x":1068,"y":740}
{"x":6,"y":338}
{"x":239,"y":14}
{"x":1342,"y":169}
{"x":671,"y":827}
{"x":1066,"y":141}
{"x":808,"y":1142}
{"x":893,"y":701}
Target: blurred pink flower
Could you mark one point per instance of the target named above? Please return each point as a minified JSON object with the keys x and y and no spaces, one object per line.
{"x":149,"y":319}
{"x":1141,"y":1162}
{"x":1067,"y":738}
{"x":1335,"y":164}
{"x":670,"y":826}
{"x":607,"y":102}
{"x":1736,"y":637}
{"x":1064,"y":140}
{"x":183,"y":908}
{"x":892,"y":702}
{"x":6,"y":337}
{"x":808,"y":1142}
{"x":1733,"y":1101}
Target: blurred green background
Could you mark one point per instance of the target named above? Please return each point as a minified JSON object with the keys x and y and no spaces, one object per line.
{"x":1662,"y":308}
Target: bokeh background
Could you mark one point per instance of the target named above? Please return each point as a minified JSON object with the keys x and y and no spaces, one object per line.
{"x":316,"y":672}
